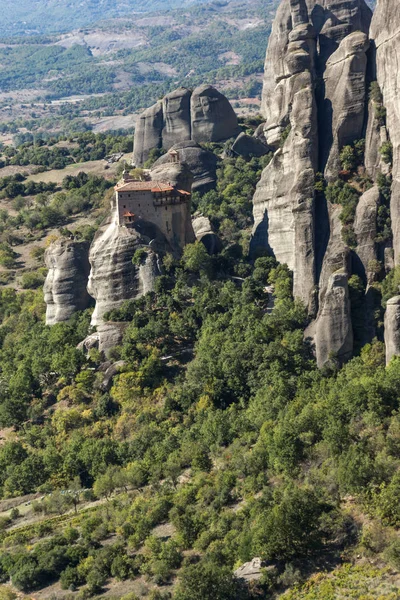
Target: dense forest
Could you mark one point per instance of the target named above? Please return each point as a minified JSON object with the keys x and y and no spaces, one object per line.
{"x":216,"y":441}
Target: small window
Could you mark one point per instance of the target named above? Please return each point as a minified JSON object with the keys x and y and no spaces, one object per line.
{"x":166,"y":208}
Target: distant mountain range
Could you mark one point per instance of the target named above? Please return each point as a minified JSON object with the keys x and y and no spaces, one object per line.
{"x":53,"y":16}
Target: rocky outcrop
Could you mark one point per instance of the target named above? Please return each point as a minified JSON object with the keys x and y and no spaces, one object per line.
{"x":332,"y":21}
{"x":365,"y":229}
{"x":177,"y":174}
{"x":113,"y":277}
{"x":148,"y":132}
{"x":333,"y":330}
{"x":248,"y":145}
{"x":343,"y":111}
{"x":376,"y":135}
{"x":392,"y":328}
{"x":204,"y":233}
{"x":177,"y":120}
{"x":204,"y":115}
{"x":65,"y":286}
{"x":201,"y":163}
{"x":212,"y":116}
{"x":284,"y":199}
{"x":385,"y":32}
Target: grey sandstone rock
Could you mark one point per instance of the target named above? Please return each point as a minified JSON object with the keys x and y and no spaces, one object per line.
{"x":332,"y":21}
{"x":365,"y":230}
{"x":65,"y":286}
{"x":343,"y":116}
{"x":376,"y":135}
{"x":148,"y":133}
{"x":202,"y":164}
{"x":284,"y":200}
{"x":334,"y":332}
{"x":204,"y":233}
{"x":250,"y":571}
{"x":392,"y":328}
{"x":113,"y":277}
{"x":247,"y":145}
{"x":212,"y":116}
{"x":110,"y":335}
{"x":176,"y":114}
{"x":385,"y":32}
{"x":204,"y":115}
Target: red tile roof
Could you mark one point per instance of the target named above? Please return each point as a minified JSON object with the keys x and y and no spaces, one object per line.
{"x":144,"y":186}
{"x":148,"y":186}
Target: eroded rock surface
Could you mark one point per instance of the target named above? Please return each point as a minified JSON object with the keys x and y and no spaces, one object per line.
{"x":248,"y":145}
{"x":204,"y":115}
{"x":332,"y":21}
{"x":113,"y":277}
{"x":334,"y":331}
{"x":343,"y":115}
{"x":202,"y":164}
{"x":65,"y":287}
{"x":385,"y":32}
{"x":365,"y":228}
{"x":284,"y":199}
{"x":204,"y":233}
{"x":392,"y":328}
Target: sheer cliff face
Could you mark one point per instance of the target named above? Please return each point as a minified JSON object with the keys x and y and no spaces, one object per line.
{"x":332,"y":21}
{"x":113,"y":277}
{"x":385,"y":32}
{"x":65,"y":286}
{"x":204,"y":115}
{"x":314,"y":102}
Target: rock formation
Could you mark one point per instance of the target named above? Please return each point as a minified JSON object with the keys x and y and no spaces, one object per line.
{"x":65,"y":287}
{"x":248,"y":145}
{"x":314,"y":98}
{"x":212,"y":116}
{"x":202,"y":164}
{"x":332,"y":21}
{"x":334,"y":332}
{"x":385,"y":33}
{"x":284,"y":200}
{"x":343,"y":111}
{"x":204,"y":115}
{"x":113,"y":277}
{"x":148,"y":132}
{"x":365,"y":229}
{"x":392,"y":328}
{"x":204,"y":233}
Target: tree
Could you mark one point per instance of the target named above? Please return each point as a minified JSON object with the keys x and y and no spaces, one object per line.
{"x":206,"y":581}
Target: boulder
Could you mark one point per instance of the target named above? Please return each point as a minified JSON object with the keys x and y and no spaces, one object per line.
{"x":201,"y":163}
{"x":205,"y":234}
{"x":65,"y":286}
{"x":247,"y":145}
{"x":392,"y":328}
{"x":385,"y":32}
{"x":343,"y":110}
{"x":110,"y":335}
{"x":333,"y":328}
{"x":250,"y":571}
{"x":148,"y":133}
{"x":212,"y":116}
